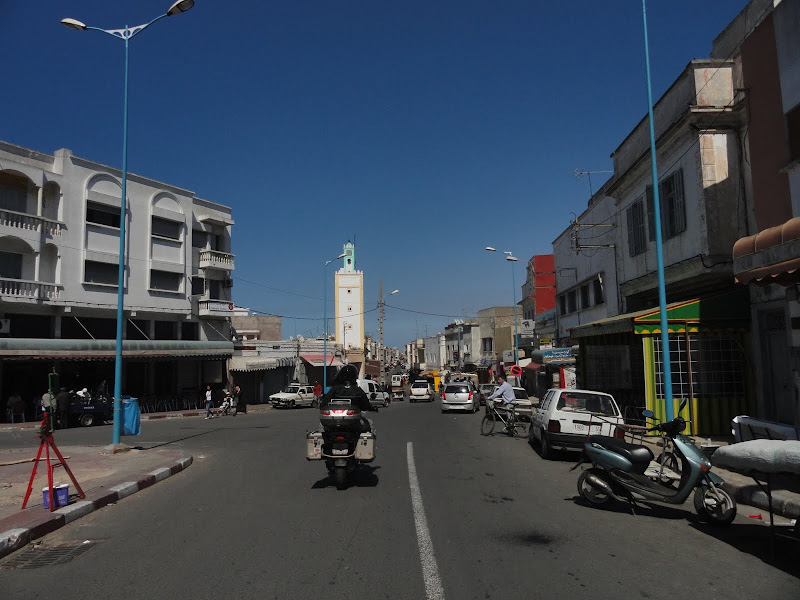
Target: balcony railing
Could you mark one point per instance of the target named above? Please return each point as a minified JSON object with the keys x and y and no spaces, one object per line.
{"x":214,"y":308}
{"x":212,"y":259}
{"x":12,"y":218}
{"x":31,"y":290}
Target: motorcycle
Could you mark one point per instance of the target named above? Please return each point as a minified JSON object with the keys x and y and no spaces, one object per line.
{"x":341,"y":444}
{"x":619,"y":471}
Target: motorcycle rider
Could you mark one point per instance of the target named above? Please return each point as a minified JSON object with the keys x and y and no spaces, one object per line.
{"x":345,"y":387}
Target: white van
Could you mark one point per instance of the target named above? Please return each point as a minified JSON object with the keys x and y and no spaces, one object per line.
{"x":371,"y":387}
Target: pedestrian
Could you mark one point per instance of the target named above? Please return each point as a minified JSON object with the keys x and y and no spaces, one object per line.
{"x":62,"y":404}
{"x":209,"y":403}
{"x":102,"y":390}
{"x":238,"y":400}
{"x":16,"y":408}
{"x":317,"y":393}
{"x":49,"y":403}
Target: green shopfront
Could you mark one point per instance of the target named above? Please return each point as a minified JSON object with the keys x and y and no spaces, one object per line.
{"x":709,"y":358}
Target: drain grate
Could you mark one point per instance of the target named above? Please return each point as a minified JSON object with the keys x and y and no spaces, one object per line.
{"x":40,"y":556}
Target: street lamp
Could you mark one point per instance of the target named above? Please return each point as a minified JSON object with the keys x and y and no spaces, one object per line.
{"x":512,"y":259}
{"x":325,"y":318}
{"x":125,"y":35}
{"x":381,"y":303}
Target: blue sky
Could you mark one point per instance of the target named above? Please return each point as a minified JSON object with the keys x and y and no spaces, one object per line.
{"x":426,"y":129}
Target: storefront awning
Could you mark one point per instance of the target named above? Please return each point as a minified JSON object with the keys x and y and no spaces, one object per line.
{"x":316,"y":360}
{"x":726,"y":311}
{"x":251,"y":363}
{"x":31,"y":348}
{"x":770,"y":256}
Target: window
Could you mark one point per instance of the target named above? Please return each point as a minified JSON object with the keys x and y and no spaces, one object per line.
{"x":164,"y":330}
{"x":562,"y":305}
{"x":166,"y":228}
{"x":585,"y":296}
{"x":597,"y":287}
{"x":793,"y":133}
{"x":487,"y":344}
{"x":10,"y":265}
{"x":12,"y":198}
{"x":636,"y":240}
{"x":198,"y":286}
{"x":673,"y":209}
{"x":166,"y":281}
{"x":103,"y":273}
{"x":190,"y":331}
{"x":572,"y":301}
{"x":199,"y":239}
{"x":102,"y":214}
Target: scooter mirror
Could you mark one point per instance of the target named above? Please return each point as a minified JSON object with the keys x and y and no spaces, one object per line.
{"x":648,"y":414}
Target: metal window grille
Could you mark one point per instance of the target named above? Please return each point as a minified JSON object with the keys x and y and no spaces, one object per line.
{"x":636,"y":233}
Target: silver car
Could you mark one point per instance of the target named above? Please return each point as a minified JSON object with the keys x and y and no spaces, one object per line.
{"x":460,"y":396}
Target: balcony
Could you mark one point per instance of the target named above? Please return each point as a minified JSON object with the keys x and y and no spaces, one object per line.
{"x":212,"y":259}
{"x":18,"y":220}
{"x":219,"y":309}
{"x":22,"y":290}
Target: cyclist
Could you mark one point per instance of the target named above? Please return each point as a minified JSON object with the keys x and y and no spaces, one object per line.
{"x":505,"y":392}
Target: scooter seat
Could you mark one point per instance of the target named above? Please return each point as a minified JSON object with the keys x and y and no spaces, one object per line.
{"x":633,"y":452}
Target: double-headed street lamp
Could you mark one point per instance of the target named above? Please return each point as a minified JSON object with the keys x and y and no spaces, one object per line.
{"x":325,"y":318}
{"x":124,"y":34}
{"x":512,"y":259}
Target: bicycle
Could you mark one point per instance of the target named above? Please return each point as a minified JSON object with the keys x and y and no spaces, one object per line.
{"x":512,"y":426}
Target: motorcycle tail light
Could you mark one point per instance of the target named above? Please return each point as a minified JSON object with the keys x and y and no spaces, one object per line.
{"x":325,"y":412}
{"x":619,"y":433}
{"x":339,"y":438}
{"x":553,"y":426}
{"x":352,"y":412}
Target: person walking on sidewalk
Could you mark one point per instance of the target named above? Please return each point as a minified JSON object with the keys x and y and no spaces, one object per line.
{"x":239,"y":401}
{"x":62,"y":404}
{"x":209,"y":403}
{"x":317,"y":393}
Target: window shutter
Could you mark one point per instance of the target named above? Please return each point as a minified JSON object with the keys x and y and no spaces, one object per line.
{"x":651,"y":213}
{"x":631,"y":234}
{"x":679,"y":206}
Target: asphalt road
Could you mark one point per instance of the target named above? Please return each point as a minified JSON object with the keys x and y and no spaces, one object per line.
{"x":442,"y":513}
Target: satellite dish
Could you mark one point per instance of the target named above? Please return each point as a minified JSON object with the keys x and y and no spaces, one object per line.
{"x":300,"y":338}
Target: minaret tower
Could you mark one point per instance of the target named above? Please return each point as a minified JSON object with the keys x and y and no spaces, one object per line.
{"x":349,"y":294}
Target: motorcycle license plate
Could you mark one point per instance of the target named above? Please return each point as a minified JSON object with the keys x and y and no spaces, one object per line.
{"x":340,"y":450}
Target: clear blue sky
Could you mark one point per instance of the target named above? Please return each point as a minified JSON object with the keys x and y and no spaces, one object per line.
{"x":426,"y":129}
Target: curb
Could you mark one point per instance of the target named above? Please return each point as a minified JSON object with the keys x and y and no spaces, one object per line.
{"x":18,"y":530}
{"x":785,"y":505}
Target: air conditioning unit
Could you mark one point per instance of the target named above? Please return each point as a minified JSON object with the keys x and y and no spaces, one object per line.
{"x":5,"y":325}
{"x":227,"y":282}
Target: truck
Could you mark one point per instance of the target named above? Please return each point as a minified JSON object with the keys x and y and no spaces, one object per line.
{"x":398,"y":393}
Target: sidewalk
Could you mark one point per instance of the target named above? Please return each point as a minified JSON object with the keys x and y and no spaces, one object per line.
{"x":785,"y":489}
{"x":104,"y":478}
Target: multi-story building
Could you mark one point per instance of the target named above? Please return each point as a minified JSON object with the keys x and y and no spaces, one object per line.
{"x":460,"y":344}
{"x":768,"y":259}
{"x":59,"y":257}
{"x":349,"y":297}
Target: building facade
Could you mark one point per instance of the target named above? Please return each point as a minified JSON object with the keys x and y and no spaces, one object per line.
{"x":349,"y":298}
{"x":59,"y":257}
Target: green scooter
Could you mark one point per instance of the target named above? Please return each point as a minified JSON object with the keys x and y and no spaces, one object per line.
{"x":618,"y":472}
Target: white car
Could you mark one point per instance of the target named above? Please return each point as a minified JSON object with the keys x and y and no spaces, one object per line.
{"x":293,"y":395}
{"x":421,"y":390}
{"x":565,"y":419}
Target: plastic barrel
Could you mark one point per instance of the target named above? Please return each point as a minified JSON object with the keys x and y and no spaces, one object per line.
{"x":131,"y":422}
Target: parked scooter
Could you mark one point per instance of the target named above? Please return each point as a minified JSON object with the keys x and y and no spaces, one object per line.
{"x":341,"y":443}
{"x":618,"y":472}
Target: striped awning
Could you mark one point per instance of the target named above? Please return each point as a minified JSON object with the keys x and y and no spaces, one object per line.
{"x":35,"y":348}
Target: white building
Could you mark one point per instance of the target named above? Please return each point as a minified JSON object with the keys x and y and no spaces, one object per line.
{"x":349,"y":297}
{"x":59,"y":256}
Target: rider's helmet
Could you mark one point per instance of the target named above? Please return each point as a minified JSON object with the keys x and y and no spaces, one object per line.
{"x":347,"y":375}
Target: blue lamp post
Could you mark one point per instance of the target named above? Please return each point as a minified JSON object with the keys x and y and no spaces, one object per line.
{"x":662,"y":294}
{"x":124,"y":34}
{"x":325,"y":318}
{"x":512,"y":259}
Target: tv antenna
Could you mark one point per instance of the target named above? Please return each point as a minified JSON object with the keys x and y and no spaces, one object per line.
{"x":579,"y":174}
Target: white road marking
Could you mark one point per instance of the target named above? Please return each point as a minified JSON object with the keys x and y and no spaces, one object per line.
{"x":430,"y":570}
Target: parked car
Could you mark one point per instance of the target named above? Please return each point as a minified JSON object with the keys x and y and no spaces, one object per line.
{"x":461,"y":395}
{"x":522,"y":401}
{"x":485,"y":390}
{"x":370,"y":387}
{"x":294,"y":395}
{"x":421,"y":390}
{"x":566,"y":418}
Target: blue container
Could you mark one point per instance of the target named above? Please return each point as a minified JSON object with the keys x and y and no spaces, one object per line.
{"x":131,"y":422}
{"x":60,"y":495}
{"x":46,"y":497}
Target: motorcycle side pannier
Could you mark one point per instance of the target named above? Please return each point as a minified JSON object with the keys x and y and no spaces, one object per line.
{"x":365,"y":448}
{"x":314,"y":445}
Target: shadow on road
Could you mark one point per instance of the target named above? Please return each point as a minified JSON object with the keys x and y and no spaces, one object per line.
{"x":641,"y":509}
{"x":754,"y":539}
{"x":187,"y":437}
{"x":364,"y":476}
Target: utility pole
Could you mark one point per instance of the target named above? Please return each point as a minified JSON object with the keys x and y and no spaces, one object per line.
{"x":381,"y":378}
